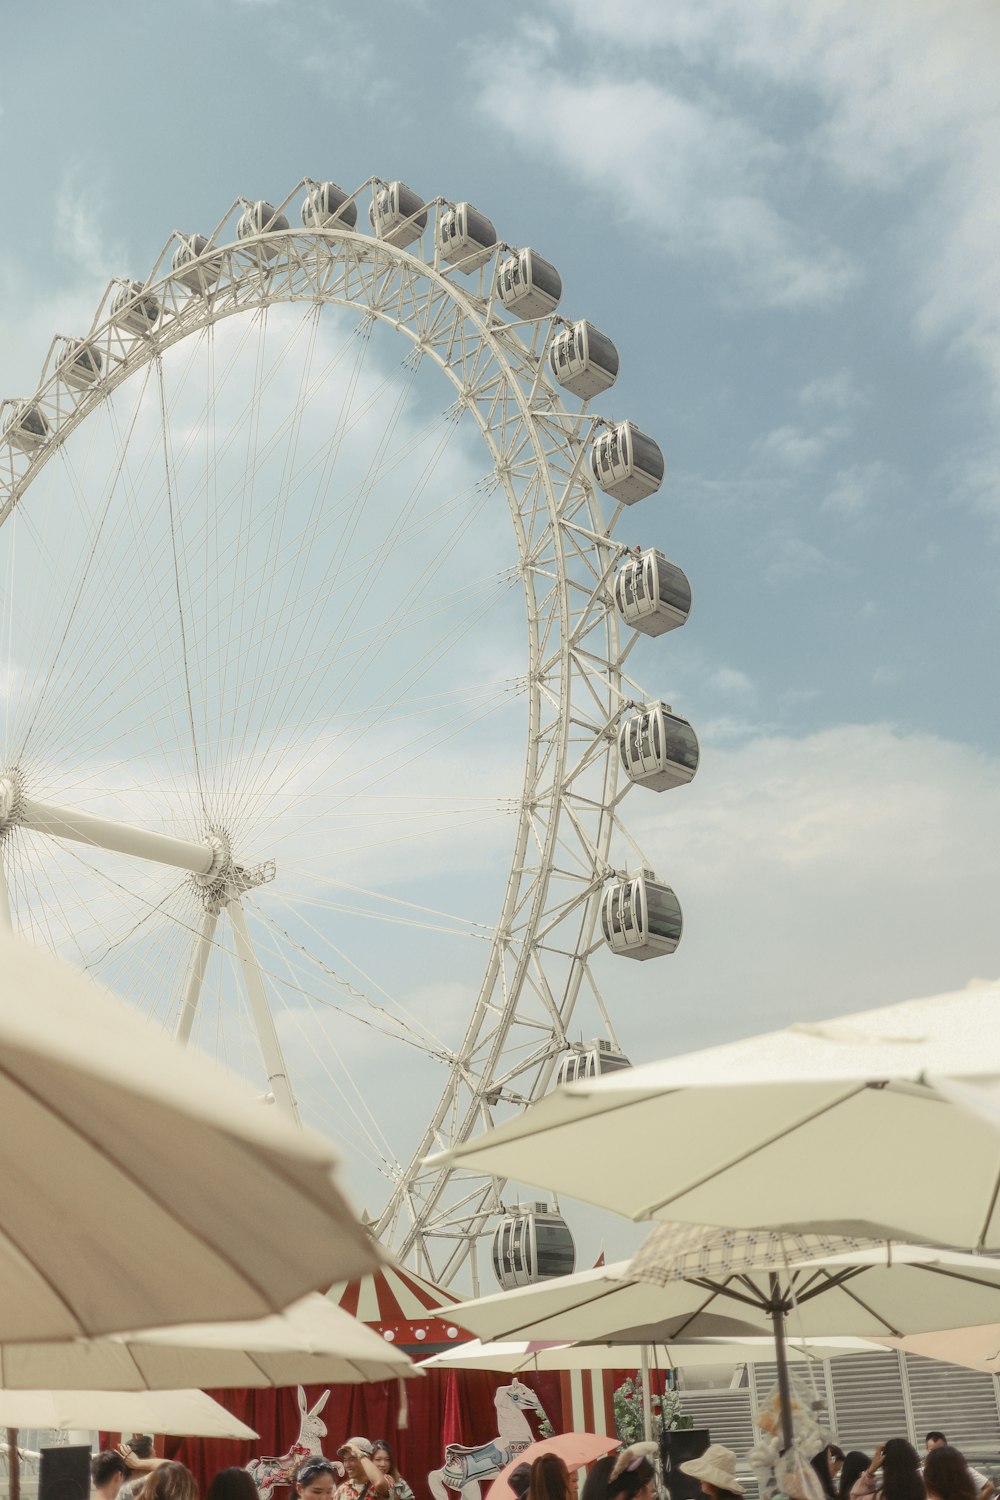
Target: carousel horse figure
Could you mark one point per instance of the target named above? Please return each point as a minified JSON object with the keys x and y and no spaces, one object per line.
{"x":267,"y":1473}
{"x":465,"y":1467}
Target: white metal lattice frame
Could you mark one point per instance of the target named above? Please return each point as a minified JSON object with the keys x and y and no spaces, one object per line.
{"x":540,"y":951}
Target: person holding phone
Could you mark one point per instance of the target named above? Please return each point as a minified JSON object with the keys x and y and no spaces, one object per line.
{"x":893,"y":1474}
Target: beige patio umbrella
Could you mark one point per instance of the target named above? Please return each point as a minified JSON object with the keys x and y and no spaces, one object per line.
{"x":788,"y":1285}
{"x":141,"y":1185}
{"x":313,"y":1342}
{"x":833,"y":1126}
{"x":975,"y":1348}
{"x":186,"y":1413}
{"x":516,"y":1357}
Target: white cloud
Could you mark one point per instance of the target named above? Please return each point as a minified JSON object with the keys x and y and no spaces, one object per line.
{"x":851,"y":867}
{"x":731,"y":682}
{"x":792,"y":447}
{"x":792,"y":557}
{"x":687,"y":171}
{"x":858,"y":487}
{"x":905,"y":99}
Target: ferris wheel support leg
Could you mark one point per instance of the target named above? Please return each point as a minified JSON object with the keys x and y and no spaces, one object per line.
{"x":274,"y":1062}
{"x":6,"y":925}
{"x":199,"y":963}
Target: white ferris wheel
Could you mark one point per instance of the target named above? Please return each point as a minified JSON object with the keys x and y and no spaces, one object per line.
{"x":317,"y":723}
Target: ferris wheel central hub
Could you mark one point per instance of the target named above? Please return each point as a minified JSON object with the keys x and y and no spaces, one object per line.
{"x":225,"y":880}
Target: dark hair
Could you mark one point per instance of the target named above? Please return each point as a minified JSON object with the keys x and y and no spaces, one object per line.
{"x":549,"y":1478}
{"x":821,"y":1468}
{"x":232,"y":1484}
{"x":141,"y":1444}
{"x":855,"y":1465}
{"x":901,"y":1477}
{"x":946,"y":1474}
{"x":386,"y":1447}
{"x":313,"y":1463}
{"x":600,"y":1486}
{"x":935,"y":1437}
{"x":519,"y":1479}
{"x":170,"y":1482}
{"x":104,"y":1467}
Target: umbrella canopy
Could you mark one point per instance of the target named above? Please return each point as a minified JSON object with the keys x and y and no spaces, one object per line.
{"x":312,"y":1343}
{"x":185,"y":1199}
{"x":685,"y":1275}
{"x":972,"y":1348}
{"x":595,"y":1305}
{"x":831,"y":1126}
{"x":574,"y":1448}
{"x":521,"y":1356}
{"x":186,"y":1413}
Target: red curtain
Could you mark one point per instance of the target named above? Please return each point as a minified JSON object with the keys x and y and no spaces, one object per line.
{"x":445,"y":1406}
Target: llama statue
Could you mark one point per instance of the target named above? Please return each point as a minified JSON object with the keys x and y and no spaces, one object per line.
{"x":464,"y":1467}
{"x":268,"y":1473}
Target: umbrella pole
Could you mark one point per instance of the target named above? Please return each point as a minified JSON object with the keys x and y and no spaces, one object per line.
{"x":13,"y":1465}
{"x":647,"y":1405}
{"x":781,"y":1357}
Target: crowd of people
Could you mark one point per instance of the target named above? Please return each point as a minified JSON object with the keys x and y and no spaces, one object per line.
{"x":895,"y":1471}
{"x":367,"y":1470}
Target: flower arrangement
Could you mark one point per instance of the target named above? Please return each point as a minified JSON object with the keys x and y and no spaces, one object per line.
{"x":666,"y":1411}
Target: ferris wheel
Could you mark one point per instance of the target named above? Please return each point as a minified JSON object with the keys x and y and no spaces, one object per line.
{"x":317,"y":722}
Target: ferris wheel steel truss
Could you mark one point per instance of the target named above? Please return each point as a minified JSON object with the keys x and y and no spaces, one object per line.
{"x":541,"y":947}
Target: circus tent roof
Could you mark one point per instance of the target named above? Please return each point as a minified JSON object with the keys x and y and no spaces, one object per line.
{"x":404,"y":1307}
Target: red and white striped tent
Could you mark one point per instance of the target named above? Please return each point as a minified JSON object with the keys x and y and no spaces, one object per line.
{"x":403,"y":1307}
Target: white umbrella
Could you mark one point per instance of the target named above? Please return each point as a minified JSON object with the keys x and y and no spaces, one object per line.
{"x":972,"y":1348}
{"x":519,"y":1356}
{"x":184,"y":1413}
{"x":313,"y":1342}
{"x":141,"y":1185}
{"x":685,"y":1275}
{"x":827,"y":1127}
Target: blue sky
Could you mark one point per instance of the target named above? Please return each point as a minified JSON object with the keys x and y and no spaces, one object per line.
{"x":786,"y":217}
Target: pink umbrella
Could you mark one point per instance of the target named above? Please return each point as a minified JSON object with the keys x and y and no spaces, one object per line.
{"x":574,"y":1448}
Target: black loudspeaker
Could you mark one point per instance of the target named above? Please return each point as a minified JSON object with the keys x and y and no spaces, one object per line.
{"x":64,"y":1474}
{"x":676,"y":1448}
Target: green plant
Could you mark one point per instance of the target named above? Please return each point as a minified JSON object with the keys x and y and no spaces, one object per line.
{"x":666,"y":1412}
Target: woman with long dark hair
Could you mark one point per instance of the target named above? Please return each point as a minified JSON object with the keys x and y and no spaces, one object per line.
{"x":854,"y":1466}
{"x":894,"y":1473}
{"x":827,"y":1465}
{"x":232,"y":1484}
{"x":946,"y":1475}
{"x":549,"y":1479}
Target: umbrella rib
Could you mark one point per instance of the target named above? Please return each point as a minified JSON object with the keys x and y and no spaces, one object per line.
{"x":872,"y":1313}
{"x":513,"y":1333}
{"x":989,"y":1212}
{"x":830,"y":1282}
{"x":649,"y":1209}
{"x":726,"y":1289}
{"x":957,"y":1275}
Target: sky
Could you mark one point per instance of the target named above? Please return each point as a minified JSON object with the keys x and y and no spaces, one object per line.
{"x":786,"y":218}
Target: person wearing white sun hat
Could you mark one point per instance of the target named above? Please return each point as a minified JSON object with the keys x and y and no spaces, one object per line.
{"x":715,"y":1471}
